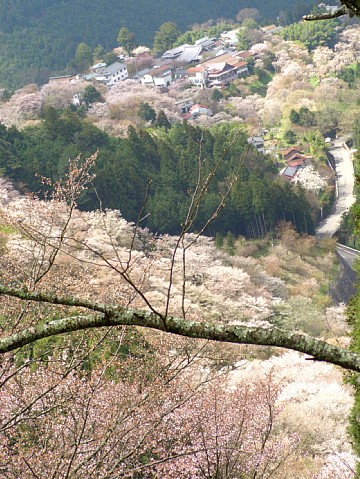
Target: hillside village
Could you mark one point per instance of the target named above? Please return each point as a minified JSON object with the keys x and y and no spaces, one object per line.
{"x":206,"y":64}
{"x":209,"y":64}
{"x":217,"y":60}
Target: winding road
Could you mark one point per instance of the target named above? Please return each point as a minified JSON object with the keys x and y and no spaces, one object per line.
{"x":344,"y":189}
{"x":345,"y":285}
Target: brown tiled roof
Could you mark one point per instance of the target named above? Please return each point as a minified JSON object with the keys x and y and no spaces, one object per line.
{"x":245,"y":54}
{"x":297,"y":156}
{"x":295,"y":161}
{"x":195,"y":69}
{"x":291,"y":148}
{"x":157,"y":71}
{"x":197,"y":105}
{"x":293,"y":155}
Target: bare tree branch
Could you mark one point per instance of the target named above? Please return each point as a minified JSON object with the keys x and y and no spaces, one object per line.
{"x":328,"y":15}
{"x":349,"y":7}
{"x":117,"y":316}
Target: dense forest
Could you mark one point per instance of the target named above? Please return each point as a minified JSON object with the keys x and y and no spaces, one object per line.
{"x":169,"y":164}
{"x":39,"y":37}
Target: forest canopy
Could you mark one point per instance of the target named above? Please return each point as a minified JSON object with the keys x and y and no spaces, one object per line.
{"x":168,"y":165}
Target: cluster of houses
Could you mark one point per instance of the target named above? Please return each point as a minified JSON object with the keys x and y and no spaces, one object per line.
{"x":295,"y":162}
{"x":219,"y":70}
{"x":205,"y":64}
{"x":208,"y":62}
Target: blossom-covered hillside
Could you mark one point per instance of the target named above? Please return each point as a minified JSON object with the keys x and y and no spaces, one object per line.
{"x":51,"y":246}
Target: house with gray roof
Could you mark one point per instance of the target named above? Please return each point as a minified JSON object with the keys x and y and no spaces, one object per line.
{"x":191,"y":54}
{"x":257,"y":142}
{"x":174,"y":53}
{"x":207,"y":43}
{"x":290,"y":173}
{"x":112,"y":74}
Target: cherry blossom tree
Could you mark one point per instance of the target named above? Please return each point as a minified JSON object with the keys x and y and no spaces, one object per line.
{"x":111,"y":421}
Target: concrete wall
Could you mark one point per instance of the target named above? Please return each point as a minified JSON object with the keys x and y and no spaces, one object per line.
{"x":345,"y":285}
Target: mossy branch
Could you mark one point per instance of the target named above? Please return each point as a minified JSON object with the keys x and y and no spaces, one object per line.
{"x":109,"y":315}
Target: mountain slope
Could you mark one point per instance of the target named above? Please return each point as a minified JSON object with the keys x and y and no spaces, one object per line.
{"x":38,"y":37}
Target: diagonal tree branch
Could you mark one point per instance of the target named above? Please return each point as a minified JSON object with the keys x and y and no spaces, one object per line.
{"x":117,"y":316}
{"x":328,"y":15}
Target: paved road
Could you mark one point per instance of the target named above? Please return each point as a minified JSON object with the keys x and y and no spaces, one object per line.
{"x":345,"y":186}
{"x":349,"y":255}
{"x":345,"y":286}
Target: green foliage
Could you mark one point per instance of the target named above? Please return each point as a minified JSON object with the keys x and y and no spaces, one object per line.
{"x":219,"y":240}
{"x":259,"y":85}
{"x":264,"y":76}
{"x":350,"y":227}
{"x":162,"y":120}
{"x":249,"y":24}
{"x":290,"y":137}
{"x":165,"y":37}
{"x":6,"y":95}
{"x":230,"y":240}
{"x":251,"y":65}
{"x":146,"y":112}
{"x":126,"y":39}
{"x":303,"y":117}
{"x":314,"y":80}
{"x":350,"y":74}
{"x":189,"y":37}
{"x":316,"y":144}
{"x":232,"y":90}
{"x":312,"y":34}
{"x":353,"y":316}
{"x":99,"y":53}
{"x":217,"y":95}
{"x":91,"y":95}
{"x":83,"y":57}
{"x":294,"y":117}
{"x":166,"y":165}
{"x":110,"y":58}
{"x":350,"y":233}
{"x":243,"y":41}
